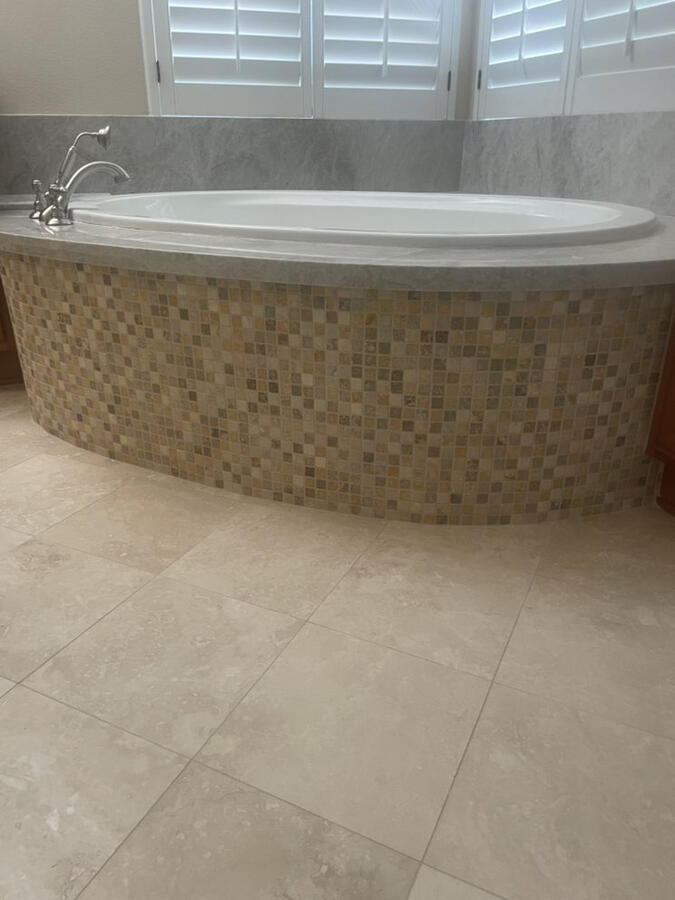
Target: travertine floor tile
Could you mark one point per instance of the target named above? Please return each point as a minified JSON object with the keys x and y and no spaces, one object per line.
{"x":148,"y":523}
{"x":288,"y":560}
{"x":365,"y":736}
{"x":433,"y":885}
{"x":168,"y":664}
{"x":45,"y":489}
{"x":600,"y":542}
{"x":13,"y":399}
{"x":21,"y":439}
{"x":71,"y":789}
{"x":508,"y":553}
{"x":600,"y":650}
{"x":49,"y":595}
{"x":414,"y":604}
{"x":10,"y":539}
{"x":211,"y":838}
{"x":558,"y":804}
{"x":5,"y":685}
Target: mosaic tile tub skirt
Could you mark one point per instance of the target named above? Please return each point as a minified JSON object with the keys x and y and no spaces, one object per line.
{"x":465,"y":408}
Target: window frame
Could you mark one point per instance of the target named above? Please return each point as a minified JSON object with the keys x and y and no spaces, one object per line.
{"x":262,"y":101}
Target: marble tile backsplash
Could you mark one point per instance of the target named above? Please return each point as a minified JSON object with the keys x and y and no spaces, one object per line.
{"x":625,"y":158}
{"x":180,"y":153}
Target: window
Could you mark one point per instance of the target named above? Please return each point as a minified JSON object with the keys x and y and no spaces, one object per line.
{"x":525,"y":55}
{"x":329,"y":58}
{"x":624,"y":56}
{"x":546,"y":57}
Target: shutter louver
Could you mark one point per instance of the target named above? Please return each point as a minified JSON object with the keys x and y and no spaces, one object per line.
{"x":625,"y":56}
{"x":388,"y":56}
{"x":525,"y":55}
{"x":238,"y":57}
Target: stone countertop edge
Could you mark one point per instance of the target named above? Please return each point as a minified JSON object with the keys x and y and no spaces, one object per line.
{"x":649,"y":260}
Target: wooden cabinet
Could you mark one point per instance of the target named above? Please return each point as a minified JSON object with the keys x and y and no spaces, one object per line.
{"x":662,"y":438}
{"x":10,"y":370}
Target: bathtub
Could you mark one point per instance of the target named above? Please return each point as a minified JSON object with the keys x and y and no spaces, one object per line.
{"x":429,"y":358}
{"x":356,"y":217}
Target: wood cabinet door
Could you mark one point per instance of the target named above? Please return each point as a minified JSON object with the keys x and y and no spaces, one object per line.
{"x":10,"y":370}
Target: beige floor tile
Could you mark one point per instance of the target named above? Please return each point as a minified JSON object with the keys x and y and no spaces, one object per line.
{"x":288,"y":560}
{"x":10,"y":539}
{"x":211,"y":838}
{"x":148,"y":523}
{"x":49,"y":595}
{"x":507,"y":553}
{"x":46,"y":489}
{"x":5,"y":685}
{"x":365,"y":736}
{"x":597,"y":542}
{"x":168,"y":664}
{"x":413,"y":604}
{"x":13,"y":399}
{"x":600,"y":651}
{"x":21,"y":439}
{"x":433,"y":885}
{"x":551,"y":803}
{"x":71,"y":789}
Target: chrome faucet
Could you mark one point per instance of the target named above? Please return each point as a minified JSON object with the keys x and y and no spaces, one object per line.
{"x":53,"y":204}
{"x":58,"y":211}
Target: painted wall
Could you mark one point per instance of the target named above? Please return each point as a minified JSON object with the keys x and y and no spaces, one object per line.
{"x":71,"y":56}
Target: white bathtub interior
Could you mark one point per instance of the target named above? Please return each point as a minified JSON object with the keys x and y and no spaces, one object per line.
{"x":407,"y":219}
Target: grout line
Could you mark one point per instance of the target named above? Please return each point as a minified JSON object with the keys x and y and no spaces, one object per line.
{"x":107,"y":722}
{"x":482,"y":708}
{"x":464,"y":881}
{"x":388,"y":647}
{"x":190,"y":760}
{"x":90,"y":626}
{"x":253,"y":787}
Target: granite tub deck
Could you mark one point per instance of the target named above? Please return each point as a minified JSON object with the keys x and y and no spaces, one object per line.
{"x":488,"y":406}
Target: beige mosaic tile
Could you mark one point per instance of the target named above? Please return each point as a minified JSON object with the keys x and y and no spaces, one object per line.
{"x":49,"y":595}
{"x":211,"y":837}
{"x":169,"y":664}
{"x":558,"y":804}
{"x":71,"y":789}
{"x":365,"y":736}
{"x":472,"y":408}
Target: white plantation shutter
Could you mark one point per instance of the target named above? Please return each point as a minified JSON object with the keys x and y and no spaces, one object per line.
{"x":624,"y":56}
{"x":234,"y":57}
{"x":524,"y":57}
{"x":383,"y":58}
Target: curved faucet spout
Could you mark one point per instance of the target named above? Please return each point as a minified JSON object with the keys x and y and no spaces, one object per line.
{"x":118,"y":173}
{"x":58,"y":212}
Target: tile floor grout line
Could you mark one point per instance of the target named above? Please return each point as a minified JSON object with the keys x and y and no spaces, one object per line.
{"x":88,"y":628}
{"x":309,"y":812}
{"x":464,"y":881}
{"x":463,"y":756}
{"x":583,"y":712}
{"x":433,"y":662}
{"x":188,"y":762}
{"x":115,"y":725}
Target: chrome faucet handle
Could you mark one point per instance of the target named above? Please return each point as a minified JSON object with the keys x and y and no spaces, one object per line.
{"x":39,"y":199}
